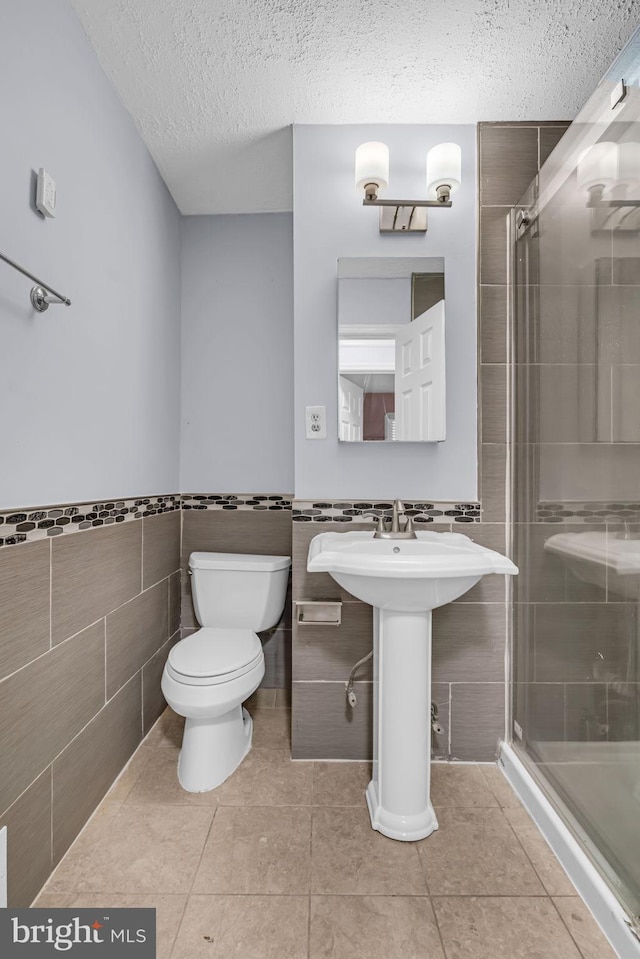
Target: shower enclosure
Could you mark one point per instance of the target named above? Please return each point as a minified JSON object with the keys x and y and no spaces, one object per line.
{"x":575,"y":467}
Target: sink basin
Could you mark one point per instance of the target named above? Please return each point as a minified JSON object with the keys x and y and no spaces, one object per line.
{"x":404,"y":580}
{"x":410,"y":575}
{"x":600,"y":558}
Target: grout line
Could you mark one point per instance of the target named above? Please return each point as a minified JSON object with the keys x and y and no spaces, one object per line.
{"x":48,"y":652}
{"x":51,"y":822}
{"x":313,"y":769}
{"x":66,"y":746}
{"x":528,"y":857}
{"x":50,"y":593}
{"x":565,"y":924}
{"x":25,"y":790}
{"x":195,"y":873}
{"x":142,"y":700}
{"x":435,"y":918}
{"x":105,"y":661}
{"x":179,"y":926}
{"x":100,"y":805}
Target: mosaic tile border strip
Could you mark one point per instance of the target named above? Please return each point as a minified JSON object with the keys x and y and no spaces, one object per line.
{"x":592,"y":512}
{"x":321,"y":511}
{"x":237,"y":501}
{"x":27,"y":525}
{"x":30,"y":524}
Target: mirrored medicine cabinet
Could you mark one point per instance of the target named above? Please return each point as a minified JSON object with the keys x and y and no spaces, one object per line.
{"x":391,"y":349}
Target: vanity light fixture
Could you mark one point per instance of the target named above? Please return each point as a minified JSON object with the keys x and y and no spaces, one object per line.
{"x":444,"y":164}
{"x":606,"y":170}
{"x":609,"y":173}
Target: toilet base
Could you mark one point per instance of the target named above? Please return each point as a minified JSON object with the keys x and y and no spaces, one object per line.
{"x":212,"y":749}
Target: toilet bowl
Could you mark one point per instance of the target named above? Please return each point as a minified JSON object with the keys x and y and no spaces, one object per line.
{"x":209,"y":674}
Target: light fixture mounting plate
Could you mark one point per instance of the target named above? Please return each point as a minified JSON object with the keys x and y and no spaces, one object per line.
{"x":403,"y":219}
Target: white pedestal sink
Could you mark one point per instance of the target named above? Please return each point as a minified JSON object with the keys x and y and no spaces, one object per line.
{"x":404,"y":580}
{"x":601,"y":558}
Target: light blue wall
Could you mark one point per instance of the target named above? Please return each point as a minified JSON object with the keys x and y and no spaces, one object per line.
{"x":374,"y":302}
{"x":237,"y":354}
{"x":89,"y":394}
{"x":330,"y":222}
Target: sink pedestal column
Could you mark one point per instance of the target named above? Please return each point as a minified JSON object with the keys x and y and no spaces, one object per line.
{"x":398,"y":794}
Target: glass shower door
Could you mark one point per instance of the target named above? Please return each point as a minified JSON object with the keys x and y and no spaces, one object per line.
{"x":575,"y":445}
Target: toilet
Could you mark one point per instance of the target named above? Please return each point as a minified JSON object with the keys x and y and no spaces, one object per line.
{"x":209,"y":674}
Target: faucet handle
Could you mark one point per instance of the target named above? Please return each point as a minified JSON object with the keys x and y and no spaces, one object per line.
{"x":380,"y":517}
{"x":408,"y":526}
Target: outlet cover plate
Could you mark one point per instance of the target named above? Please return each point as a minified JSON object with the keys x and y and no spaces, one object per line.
{"x":315,"y":419}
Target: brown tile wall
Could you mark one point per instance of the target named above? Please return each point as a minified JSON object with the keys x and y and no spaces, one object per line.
{"x":86,"y":622}
{"x":470,"y":634}
{"x":242,"y":531}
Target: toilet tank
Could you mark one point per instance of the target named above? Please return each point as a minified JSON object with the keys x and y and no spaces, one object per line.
{"x":238,"y":589}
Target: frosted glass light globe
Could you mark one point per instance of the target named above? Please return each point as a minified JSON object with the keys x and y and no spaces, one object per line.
{"x":372,"y":165}
{"x":444,"y":167}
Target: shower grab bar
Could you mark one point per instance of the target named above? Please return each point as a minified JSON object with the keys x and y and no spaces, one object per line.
{"x":41,"y":294}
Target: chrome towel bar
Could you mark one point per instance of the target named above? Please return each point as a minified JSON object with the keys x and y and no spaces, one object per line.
{"x":42,"y":294}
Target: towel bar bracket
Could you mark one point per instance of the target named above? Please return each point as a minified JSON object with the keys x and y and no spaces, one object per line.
{"x":42,"y":295}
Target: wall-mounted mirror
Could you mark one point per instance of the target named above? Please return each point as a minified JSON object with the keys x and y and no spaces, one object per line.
{"x":391,"y":352}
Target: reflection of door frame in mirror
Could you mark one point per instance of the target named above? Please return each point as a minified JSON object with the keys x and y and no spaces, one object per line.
{"x":408,"y":268}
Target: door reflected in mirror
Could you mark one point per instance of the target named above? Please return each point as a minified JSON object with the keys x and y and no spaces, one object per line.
{"x":391,"y":349}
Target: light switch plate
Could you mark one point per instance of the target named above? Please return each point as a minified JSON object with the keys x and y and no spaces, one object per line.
{"x":46,"y":193}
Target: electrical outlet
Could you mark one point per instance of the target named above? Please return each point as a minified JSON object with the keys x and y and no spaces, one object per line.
{"x":315,"y":422}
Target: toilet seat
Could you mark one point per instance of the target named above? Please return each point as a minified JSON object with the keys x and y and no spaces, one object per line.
{"x":212,"y":656}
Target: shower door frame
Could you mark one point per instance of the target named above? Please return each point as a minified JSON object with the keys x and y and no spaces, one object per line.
{"x":532,"y":202}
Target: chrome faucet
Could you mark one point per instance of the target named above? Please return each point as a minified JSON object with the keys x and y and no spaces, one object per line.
{"x":626,"y":532}
{"x":384,"y":531}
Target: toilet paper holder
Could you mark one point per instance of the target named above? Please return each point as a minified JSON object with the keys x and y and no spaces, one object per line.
{"x":318,"y":612}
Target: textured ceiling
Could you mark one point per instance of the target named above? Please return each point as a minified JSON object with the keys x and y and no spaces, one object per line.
{"x":213,"y":84}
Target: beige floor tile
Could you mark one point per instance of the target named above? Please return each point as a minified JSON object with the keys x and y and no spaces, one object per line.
{"x":340,"y":784}
{"x":502,"y":928}
{"x":261,"y":699}
{"x":475,"y":853}
{"x":584,"y":929}
{"x":137,"y":849}
{"x":498,"y":785}
{"x":349,"y":858}
{"x":552,"y":875}
{"x":244,"y":927}
{"x":167,"y":731}
{"x":169,"y":912}
{"x":130,"y":774}
{"x":52,"y":900}
{"x":373,"y":927}
{"x":257,"y":850}
{"x":159,"y":783}
{"x":283,"y":698}
{"x":271,"y":728}
{"x":268,"y":777}
{"x":458,"y":784}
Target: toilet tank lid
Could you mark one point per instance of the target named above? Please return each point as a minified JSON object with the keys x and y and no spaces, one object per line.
{"x":235,"y":561}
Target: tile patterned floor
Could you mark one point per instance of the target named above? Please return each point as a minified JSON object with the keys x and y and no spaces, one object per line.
{"x":280,"y":862}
